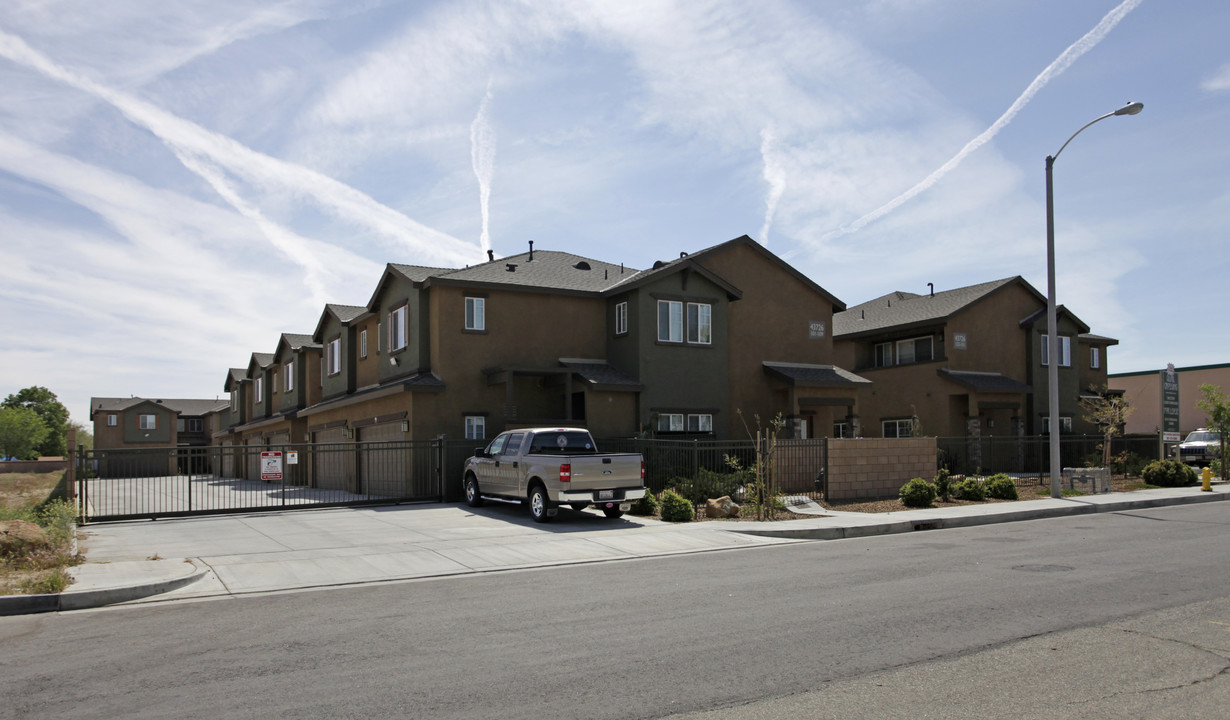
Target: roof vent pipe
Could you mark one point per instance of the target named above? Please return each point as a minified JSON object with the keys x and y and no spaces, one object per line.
{"x":683,"y":254}
{"x":491,"y":256}
{"x":531,"y":252}
{"x":512,"y":267}
{"x":932,"y":286}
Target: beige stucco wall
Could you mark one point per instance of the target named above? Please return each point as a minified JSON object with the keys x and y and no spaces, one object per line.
{"x":1145,"y":394}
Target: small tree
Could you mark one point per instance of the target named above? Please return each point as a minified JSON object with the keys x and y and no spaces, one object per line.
{"x":762,"y":486}
{"x":1216,"y":405}
{"x":1109,"y":412}
{"x":21,"y":431}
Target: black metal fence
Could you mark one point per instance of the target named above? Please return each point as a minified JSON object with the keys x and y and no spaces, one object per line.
{"x":164,"y":482}
{"x":1031,"y":454}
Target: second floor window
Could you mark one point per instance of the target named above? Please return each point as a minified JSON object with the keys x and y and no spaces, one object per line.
{"x":148,"y":422}
{"x":884,"y":355}
{"x":1065,"y":351}
{"x":476,"y":427}
{"x":914,"y":350}
{"x":288,"y":370}
{"x":111,"y":420}
{"x":476,"y":313}
{"x":700,"y":323}
{"x":333,"y":358}
{"x":195,"y":425}
{"x":363,"y":343}
{"x":397,"y":328}
{"x":670,"y":321}
{"x":260,"y":389}
{"x":621,"y":318}
{"x":1094,"y":360}
{"x":234,"y":400}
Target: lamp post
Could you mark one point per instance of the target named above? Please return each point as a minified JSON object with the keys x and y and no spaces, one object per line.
{"x":1052,"y":330}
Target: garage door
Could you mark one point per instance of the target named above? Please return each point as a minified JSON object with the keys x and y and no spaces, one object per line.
{"x":252,"y":458}
{"x":384,"y":460}
{"x":228,"y":458}
{"x":331,"y":464}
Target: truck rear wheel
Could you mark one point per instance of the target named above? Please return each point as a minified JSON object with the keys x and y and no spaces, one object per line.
{"x":540,"y":505}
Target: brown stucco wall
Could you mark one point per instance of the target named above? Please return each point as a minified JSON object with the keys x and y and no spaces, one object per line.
{"x":875,"y":468}
{"x":770,"y":322}
{"x":1144,"y":393}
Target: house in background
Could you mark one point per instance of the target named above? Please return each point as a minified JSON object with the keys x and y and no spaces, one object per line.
{"x":970,"y":362}
{"x":135,"y":423}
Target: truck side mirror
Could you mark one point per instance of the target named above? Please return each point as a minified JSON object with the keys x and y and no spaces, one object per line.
{"x":481,"y":452}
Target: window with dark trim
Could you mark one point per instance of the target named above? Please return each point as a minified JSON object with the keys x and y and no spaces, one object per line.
{"x":476,"y":313}
{"x":147,"y":422}
{"x":397,"y":328}
{"x":334,"y":356}
{"x":621,"y":318}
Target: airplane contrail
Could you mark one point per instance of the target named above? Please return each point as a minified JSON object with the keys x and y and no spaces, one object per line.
{"x":482,"y":155}
{"x":1061,"y":63}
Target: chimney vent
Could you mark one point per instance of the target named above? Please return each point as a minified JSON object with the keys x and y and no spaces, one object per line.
{"x":531,"y":252}
{"x":491,"y":256}
{"x":512,"y":267}
{"x":932,"y":286}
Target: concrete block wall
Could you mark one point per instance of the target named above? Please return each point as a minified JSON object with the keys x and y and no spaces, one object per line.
{"x":867,"y":468}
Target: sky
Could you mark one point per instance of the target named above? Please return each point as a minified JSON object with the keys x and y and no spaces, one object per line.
{"x":182,"y":182}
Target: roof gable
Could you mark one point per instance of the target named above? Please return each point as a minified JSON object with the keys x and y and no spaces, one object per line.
{"x":902,"y":309}
{"x":344,"y":314}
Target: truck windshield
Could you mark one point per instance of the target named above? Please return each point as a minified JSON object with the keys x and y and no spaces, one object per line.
{"x":1203,"y":437}
{"x":562,"y":443}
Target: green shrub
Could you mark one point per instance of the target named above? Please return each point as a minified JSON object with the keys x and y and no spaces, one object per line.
{"x":676,"y":508}
{"x":1000,"y":487}
{"x":647,"y":505}
{"x":917,"y":493}
{"x":1168,"y":473}
{"x":943,"y":487}
{"x":709,"y":485}
{"x":969,"y":489}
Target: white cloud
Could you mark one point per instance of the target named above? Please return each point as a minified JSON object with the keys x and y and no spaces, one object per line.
{"x":1218,"y":81}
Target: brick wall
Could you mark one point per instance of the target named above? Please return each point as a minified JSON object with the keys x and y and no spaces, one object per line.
{"x":865,"y":468}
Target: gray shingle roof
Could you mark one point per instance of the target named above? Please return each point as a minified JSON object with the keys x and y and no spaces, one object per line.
{"x":985,"y":381}
{"x":345,"y":313}
{"x":183,"y":406}
{"x":898,"y":309}
{"x":550,"y":269}
{"x":296,"y":340}
{"x":814,"y":375}
{"x":600,"y":373}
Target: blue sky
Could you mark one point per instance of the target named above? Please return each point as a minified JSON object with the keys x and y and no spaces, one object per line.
{"x":182,"y":182}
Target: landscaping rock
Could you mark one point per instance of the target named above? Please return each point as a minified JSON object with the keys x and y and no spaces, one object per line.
{"x":722,"y":507}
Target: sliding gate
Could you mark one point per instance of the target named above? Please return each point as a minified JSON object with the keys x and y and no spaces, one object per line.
{"x":169,"y":482}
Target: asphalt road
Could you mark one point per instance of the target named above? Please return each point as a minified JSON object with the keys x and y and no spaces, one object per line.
{"x":1091,"y":616}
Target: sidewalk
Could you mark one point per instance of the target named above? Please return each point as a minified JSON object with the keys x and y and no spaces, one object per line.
{"x":217,"y":556}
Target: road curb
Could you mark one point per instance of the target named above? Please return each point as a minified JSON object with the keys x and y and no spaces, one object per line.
{"x":83,"y":599}
{"x":940,"y":523}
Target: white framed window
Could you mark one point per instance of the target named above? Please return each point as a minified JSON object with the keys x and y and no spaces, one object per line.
{"x":842,"y":430}
{"x":914,"y":350}
{"x":1065,"y":424}
{"x":476,"y":427}
{"x":670,"y":321}
{"x":111,"y":420}
{"x":397,"y":328}
{"x":897,"y":428}
{"x":363,"y":343}
{"x":147,"y":422}
{"x":1094,"y":360}
{"x":621,"y":318}
{"x":670,"y":422}
{"x":334,"y":356}
{"x":194,"y":425}
{"x":1065,"y":351}
{"x":260,"y":389}
{"x":476,"y":313}
{"x":288,"y":370}
{"x":700,"y":423}
{"x":700,"y":323}
{"x":884,"y":354}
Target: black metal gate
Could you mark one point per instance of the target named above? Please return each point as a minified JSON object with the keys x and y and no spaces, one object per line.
{"x":167,"y":482}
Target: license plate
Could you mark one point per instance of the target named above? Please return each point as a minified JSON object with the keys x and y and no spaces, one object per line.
{"x":606,"y":494}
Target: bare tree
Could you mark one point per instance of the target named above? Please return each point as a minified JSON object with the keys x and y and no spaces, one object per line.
{"x":1109,"y":412}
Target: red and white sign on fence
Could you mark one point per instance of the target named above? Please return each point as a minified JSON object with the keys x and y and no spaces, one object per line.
{"x":271,"y":465}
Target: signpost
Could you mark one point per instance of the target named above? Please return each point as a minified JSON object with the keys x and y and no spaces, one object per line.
{"x":271,"y":465}
{"x":1171,"y":432}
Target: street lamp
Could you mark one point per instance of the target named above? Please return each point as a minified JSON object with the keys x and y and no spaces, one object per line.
{"x":1052,"y":334}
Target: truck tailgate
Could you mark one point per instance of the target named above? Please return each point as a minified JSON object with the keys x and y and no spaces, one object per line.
{"x":602,"y":472}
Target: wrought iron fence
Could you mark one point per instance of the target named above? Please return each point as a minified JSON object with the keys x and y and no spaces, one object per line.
{"x":1030,"y":455}
{"x":163,"y":482}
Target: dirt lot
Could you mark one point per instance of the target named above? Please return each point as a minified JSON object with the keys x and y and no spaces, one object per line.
{"x":35,"y":543}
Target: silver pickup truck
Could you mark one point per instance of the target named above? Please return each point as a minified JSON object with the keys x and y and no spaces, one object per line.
{"x":549,"y":467}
